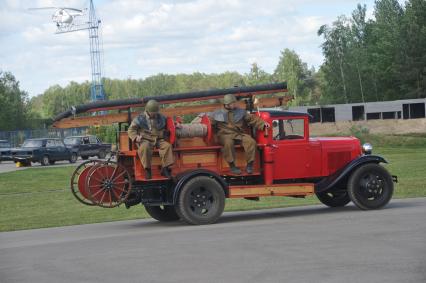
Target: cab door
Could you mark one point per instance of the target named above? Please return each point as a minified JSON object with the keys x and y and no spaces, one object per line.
{"x":292,"y":152}
{"x":52,"y":150}
{"x":63,"y":152}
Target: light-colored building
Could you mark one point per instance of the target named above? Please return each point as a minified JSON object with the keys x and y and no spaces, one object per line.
{"x":398,"y":109}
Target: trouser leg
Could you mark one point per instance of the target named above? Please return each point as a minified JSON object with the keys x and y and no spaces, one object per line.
{"x":165,"y":151}
{"x":249,"y":145}
{"x":145,"y":154}
{"x":228,"y":150}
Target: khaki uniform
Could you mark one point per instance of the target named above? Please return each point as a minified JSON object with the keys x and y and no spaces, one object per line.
{"x":152,"y":132}
{"x":229,"y":125}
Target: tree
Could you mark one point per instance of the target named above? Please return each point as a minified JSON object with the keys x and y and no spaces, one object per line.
{"x":413,"y":64}
{"x":13,"y":103}
{"x":257,"y":76}
{"x":291,"y":69}
{"x":335,"y":49}
{"x":385,"y":50}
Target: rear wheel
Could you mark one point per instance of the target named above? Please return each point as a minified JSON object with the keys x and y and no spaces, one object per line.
{"x":45,"y":160}
{"x":102,"y":154}
{"x":370,"y":187}
{"x":164,"y":213}
{"x":73,"y":158}
{"x":52,"y":162}
{"x":84,"y":157}
{"x":201,"y":201}
{"x":334,"y":198}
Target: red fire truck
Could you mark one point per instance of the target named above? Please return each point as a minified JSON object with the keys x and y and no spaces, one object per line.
{"x":289,"y":162}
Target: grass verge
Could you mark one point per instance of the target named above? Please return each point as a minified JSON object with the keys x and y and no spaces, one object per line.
{"x":40,"y":197}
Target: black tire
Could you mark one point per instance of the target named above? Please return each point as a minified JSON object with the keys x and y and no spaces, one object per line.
{"x":370,"y":187}
{"x":52,"y":162}
{"x":45,"y":160}
{"x":84,"y":157}
{"x":166,"y":213}
{"x":73,"y":158}
{"x":201,"y":201}
{"x":102,"y":154}
{"x":334,"y":198}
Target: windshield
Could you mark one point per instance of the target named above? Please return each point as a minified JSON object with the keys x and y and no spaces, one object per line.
{"x":72,"y":141}
{"x":32,"y":143}
{"x":4,"y":144}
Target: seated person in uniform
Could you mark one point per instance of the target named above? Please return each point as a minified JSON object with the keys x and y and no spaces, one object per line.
{"x":229,"y":124}
{"x":147,"y":130}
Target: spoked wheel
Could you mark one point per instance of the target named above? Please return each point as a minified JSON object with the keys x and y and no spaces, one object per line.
{"x":164,"y":213}
{"x":78,"y":181}
{"x":109,"y":184}
{"x":334,"y":198}
{"x":370,"y":187}
{"x":201,"y":201}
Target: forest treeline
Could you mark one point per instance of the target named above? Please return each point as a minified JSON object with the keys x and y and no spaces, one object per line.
{"x":377,"y":59}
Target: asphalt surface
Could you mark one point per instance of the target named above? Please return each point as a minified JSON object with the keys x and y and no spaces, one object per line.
{"x":10,"y":166}
{"x":303,"y":244}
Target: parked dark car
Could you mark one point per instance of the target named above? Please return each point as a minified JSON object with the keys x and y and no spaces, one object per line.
{"x":4,"y":150}
{"x":87,"y":146}
{"x":46,"y":151}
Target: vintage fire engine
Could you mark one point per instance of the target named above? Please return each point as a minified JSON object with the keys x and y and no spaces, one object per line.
{"x":288,"y":162}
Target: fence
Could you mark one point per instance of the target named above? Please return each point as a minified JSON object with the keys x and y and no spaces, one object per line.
{"x":17,"y":137}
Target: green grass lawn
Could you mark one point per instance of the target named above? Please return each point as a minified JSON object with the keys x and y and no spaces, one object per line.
{"x":40,"y":197}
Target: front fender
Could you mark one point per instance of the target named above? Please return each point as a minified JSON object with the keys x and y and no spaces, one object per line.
{"x":186,"y":176}
{"x":339,"y":175}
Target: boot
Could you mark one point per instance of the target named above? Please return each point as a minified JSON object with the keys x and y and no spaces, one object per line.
{"x":234,"y":169}
{"x":165,"y":171}
{"x":249,"y":168}
{"x":148,"y":174}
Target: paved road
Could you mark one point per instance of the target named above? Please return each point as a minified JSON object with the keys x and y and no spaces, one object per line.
{"x":305,"y":244}
{"x":9,"y":166}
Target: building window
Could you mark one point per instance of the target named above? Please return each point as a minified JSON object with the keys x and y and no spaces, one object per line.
{"x":374,"y":116}
{"x":328,"y":115}
{"x":322,"y":114}
{"x":389,"y":115}
{"x":316,"y":115}
{"x":358,"y":113}
{"x":413,"y":110}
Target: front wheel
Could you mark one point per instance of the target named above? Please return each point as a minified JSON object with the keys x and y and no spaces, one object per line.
{"x":334,"y":198}
{"x":201,"y":201}
{"x":45,"y":160}
{"x":166,"y":213}
{"x":370,"y":187}
{"x":102,"y":154}
{"x":73,"y":158}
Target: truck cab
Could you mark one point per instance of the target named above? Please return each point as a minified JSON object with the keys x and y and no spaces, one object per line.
{"x":296,"y":155}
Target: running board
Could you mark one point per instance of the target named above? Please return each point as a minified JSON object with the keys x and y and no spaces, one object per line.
{"x":302,"y":189}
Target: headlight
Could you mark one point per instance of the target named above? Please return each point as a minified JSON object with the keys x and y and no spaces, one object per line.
{"x":367,"y":148}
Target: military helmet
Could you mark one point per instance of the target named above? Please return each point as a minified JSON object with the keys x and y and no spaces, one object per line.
{"x":229,"y":98}
{"x":152,"y":106}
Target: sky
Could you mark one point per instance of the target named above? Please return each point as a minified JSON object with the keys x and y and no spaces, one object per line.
{"x":146,"y":37}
